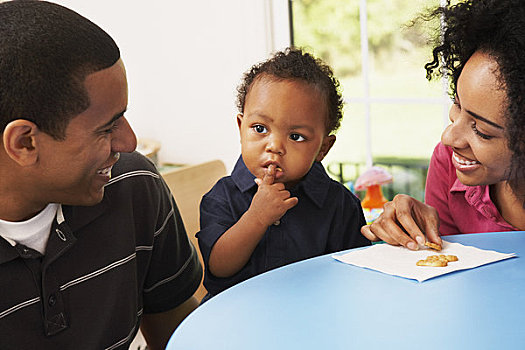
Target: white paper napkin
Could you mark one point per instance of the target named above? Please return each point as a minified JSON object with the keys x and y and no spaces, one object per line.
{"x":400,"y":261}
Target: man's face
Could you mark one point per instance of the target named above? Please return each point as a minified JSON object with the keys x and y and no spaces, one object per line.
{"x":74,"y":170}
{"x":283,"y":124}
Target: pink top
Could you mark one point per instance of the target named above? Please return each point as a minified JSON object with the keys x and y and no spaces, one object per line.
{"x":461,"y":208}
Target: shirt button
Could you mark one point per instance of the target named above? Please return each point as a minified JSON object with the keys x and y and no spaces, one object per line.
{"x":52,"y":300}
{"x":24,"y":252}
{"x":60,"y":234}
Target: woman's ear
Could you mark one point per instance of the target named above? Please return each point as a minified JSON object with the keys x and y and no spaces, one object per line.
{"x":19,"y":141}
{"x":328,"y":142}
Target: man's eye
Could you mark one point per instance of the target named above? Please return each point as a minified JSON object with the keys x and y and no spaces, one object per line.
{"x":110,"y":130}
{"x":259,"y":129}
{"x":297,"y":137}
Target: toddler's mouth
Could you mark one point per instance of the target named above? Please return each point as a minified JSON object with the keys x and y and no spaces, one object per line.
{"x":277,"y":167}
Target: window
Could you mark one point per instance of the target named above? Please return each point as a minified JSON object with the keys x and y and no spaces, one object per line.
{"x":393,"y":115}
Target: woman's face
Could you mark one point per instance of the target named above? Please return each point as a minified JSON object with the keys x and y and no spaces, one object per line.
{"x":476,"y":133}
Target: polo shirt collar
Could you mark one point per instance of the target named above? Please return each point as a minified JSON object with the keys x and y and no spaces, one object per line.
{"x":7,"y":251}
{"x":241,"y":176}
{"x":78,"y":217}
{"x":473,"y":194}
{"x":477,"y":197}
{"x":74,"y":220}
{"x":457,"y":186}
{"x":315,"y":184}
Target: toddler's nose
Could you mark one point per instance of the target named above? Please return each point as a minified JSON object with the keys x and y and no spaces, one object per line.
{"x":275,"y":145}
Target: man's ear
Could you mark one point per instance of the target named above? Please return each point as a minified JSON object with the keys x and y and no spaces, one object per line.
{"x":328,"y":142}
{"x":19,"y":141}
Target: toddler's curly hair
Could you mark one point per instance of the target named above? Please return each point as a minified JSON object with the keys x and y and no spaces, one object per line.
{"x":296,"y":64}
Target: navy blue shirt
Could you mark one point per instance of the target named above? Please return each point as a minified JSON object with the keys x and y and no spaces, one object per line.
{"x":327,"y":219}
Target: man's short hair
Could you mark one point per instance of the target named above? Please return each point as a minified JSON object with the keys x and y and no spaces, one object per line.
{"x":46,"y":52}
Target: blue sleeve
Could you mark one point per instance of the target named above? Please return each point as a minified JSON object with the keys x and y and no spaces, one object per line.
{"x":349,"y":218}
{"x":215,"y":219}
{"x":220,"y":209}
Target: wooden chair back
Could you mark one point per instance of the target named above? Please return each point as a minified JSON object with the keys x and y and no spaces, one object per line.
{"x":188,"y":184}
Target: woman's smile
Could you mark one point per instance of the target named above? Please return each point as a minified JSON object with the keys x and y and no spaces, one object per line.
{"x":463,"y":164}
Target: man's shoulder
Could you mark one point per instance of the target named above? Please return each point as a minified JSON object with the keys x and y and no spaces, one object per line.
{"x":135,"y":174}
{"x":129,"y":162}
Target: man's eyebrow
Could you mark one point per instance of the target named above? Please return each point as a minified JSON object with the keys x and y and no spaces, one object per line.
{"x":477,"y":116}
{"x":115,"y":117}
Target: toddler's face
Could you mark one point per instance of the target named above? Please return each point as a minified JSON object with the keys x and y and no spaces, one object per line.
{"x":283,"y":124}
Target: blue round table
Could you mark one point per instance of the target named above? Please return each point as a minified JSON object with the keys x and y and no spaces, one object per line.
{"x":322,"y":303}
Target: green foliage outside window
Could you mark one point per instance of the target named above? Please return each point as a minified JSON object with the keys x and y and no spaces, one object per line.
{"x":398,"y":49}
{"x":331,"y":28}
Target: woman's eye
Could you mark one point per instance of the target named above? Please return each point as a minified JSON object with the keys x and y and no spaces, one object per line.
{"x":297,"y":137}
{"x":479,"y":133}
{"x":259,"y":129}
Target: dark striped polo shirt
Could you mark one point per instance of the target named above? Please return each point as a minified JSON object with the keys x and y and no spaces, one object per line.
{"x":104,"y":266}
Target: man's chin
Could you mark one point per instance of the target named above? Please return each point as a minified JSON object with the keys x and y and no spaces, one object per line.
{"x":86,"y":200}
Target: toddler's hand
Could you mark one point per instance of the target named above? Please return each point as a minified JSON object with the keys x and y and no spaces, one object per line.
{"x":272,"y":200}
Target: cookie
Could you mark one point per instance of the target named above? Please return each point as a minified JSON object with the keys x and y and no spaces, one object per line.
{"x":437,"y":260}
{"x":433,"y":263}
{"x":433,"y":246}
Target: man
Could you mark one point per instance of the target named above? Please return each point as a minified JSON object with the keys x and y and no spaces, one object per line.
{"x":91,"y":246}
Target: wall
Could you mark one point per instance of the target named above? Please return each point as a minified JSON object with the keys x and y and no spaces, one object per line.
{"x":184,"y":60}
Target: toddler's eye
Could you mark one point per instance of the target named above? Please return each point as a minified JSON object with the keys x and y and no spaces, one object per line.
{"x":259,"y":129}
{"x":297,"y":137}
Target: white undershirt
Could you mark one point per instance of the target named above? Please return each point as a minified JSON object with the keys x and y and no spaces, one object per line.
{"x":32,"y":233}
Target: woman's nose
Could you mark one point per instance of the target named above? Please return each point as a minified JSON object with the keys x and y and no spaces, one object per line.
{"x":455,"y":134}
{"x":124,"y":139}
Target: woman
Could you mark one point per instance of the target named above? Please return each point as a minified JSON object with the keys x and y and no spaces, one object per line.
{"x":476,"y":178}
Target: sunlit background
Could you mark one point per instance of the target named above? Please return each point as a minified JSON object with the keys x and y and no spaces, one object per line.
{"x":393,"y":115}
{"x":185,"y":59}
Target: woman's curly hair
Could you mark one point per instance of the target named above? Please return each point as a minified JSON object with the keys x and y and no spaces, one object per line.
{"x":296,"y":64}
{"x":497,"y":28}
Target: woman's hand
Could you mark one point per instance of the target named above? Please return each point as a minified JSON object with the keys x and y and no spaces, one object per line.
{"x":405,"y":221}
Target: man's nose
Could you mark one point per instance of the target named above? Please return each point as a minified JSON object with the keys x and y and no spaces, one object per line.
{"x":124,"y":139}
